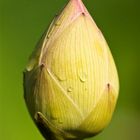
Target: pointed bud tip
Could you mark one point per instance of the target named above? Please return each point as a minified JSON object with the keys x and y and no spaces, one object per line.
{"x":79,"y":6}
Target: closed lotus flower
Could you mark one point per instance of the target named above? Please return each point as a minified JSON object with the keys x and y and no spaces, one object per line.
{"x":71,"y":82}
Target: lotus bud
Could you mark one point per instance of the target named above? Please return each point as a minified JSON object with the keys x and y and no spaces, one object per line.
{"x":71,"y":82}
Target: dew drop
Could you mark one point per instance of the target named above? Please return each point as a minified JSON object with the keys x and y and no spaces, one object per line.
{"x":60,"y":121}
{"x":86,"y":89}
{"x":69,"y":89}
{"x":83,"y":77}
{"x":53,"y":117}
{"x":60,"y":77}
{"x":57,"y":24}
{"x":48,"y":36}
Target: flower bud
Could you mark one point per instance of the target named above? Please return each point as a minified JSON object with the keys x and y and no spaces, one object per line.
{"x":71,"y":83}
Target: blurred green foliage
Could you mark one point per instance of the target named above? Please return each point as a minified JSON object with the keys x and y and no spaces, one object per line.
{"x":22,"y":22}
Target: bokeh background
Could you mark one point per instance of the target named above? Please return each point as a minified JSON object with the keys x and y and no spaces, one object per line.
{"x":22,"y":22}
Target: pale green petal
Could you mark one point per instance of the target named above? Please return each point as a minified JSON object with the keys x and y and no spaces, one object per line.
{"x":50,"y":131}
{"x":61,"y":109}
{"x":30,"y":89}
{"x":43,"y":93}
{"x":35,"y":57}
{"x":101,"y":114}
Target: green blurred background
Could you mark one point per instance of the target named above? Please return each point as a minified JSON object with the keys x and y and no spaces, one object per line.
{"x":22,"y":22}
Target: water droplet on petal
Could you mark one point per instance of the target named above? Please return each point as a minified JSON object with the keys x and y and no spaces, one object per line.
{"x":53,"y":118}
{"x":86,"y":89}
{"x":83,"y":77}
{"x":60,"y":121}
{"x":57,"y":24}
{"x":69,"y":89}
{"x":61,"y":77}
